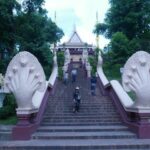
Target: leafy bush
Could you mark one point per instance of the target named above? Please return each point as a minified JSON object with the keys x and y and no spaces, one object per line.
{"x":3,"y":65}
{"x":60,"y":61}
{"x":48,"y":70}
{"x":93,"y":61}
{"x":9,"y":107}
{"x":60,"y":73}
{"x":93,"y":64}
{"x":112,"y":71}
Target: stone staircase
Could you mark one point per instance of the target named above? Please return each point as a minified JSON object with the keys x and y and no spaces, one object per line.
{"x":96,"y":126}
{"x":5,"y":132}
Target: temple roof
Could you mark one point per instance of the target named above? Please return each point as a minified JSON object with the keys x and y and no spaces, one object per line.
{"x":75,"y":42}
{"x":75,"y":39}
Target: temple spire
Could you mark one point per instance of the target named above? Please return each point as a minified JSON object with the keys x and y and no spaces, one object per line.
{"x":55,"y":20}
{"x":55,"y":16}
{"x":74,"y":27}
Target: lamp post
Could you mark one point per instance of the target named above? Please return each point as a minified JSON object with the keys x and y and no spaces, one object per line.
{"x":17,"y":47}
{"x":2,"y":97}
{"x":5,"y":54}
{"x":64,"y":46}
{"x":2,"y":94}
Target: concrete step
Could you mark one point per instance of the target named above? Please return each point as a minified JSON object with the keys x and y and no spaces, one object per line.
{"x":86,"y":97}
{"x":81,"y":120}
{"x":82,"y":109}
{"x":77,"y":144}
{"x":4,"y":136}
{"x":5,"y":132}
{"x":81,"y":128}
{"x":84,"y":135}
{"x":58,"y":114}
{"x":86,"y":102}
{"x":80,"y":123}
{"x":81,"y":117}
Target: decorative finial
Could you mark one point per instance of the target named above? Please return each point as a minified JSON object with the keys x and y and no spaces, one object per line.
{"x":96,"y":17}
{"x":74,"y":28}
{"x":55,"y":16}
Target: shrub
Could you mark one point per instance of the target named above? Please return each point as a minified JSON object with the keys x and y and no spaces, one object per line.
{"x":93,"y":63}
{"x":9,"y":107}
{"x":60,"y":73}
{"x":60,"y":60}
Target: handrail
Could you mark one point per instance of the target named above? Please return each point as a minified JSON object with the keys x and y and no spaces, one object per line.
{"x":24,"y":130}
{"x":102,"y":76}
{"x":102,"y":79}
{"x":41,"y":111}
{"x":124,"y":98}
{"x":51,"y":84}
{"x":137,"y":121}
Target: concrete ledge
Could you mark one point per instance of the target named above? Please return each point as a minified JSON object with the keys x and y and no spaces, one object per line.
{"x":53,"y":77}
{"x":102,"y":76}
{"x":125,"y":100}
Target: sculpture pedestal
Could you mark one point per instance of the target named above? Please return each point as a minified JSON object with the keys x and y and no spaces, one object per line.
{"x":25,"y":126}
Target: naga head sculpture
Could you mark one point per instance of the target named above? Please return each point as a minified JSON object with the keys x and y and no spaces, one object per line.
{"x":24,"y":76}
{"x":136,"y":78}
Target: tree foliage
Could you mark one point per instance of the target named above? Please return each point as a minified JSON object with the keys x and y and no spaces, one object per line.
{"x":119,"y":47}
{"x":30,"y":6}
{"x":7,"y":28}
{"x":60,"y":60}
{"x":27,"y":27}
{"x":127,"y":24}
{"x":127,"y":16}
{"x":93,"y":60}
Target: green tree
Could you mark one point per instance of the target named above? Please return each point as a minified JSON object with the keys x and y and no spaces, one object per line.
{"x":31,"y":6}
{"x":27,"y":27}
{"x":7,"y":26}
{"x":60,"y":60}
{"x":35,"y":32}
{"x":119,"y":48}
{"x":93,"y":60}
{"x":8,"y":10}
{"x":132,"y":18}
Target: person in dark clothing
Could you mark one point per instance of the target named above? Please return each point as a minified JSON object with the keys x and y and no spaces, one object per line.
{"x":93,"y":85}
{"x":76,"y":99}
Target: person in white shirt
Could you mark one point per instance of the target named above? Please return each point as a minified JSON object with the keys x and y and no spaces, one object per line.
{"x":66,"y":78}
{"x":74,"y":75}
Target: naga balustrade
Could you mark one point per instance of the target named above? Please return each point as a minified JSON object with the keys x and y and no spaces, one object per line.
{"x":25,"y":78}
{"x":136,"y":78}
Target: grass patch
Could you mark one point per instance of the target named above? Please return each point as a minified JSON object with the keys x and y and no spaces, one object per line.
{"x":112,"y":72}
{"x":132,"y":95}
{"x":9,"y":121}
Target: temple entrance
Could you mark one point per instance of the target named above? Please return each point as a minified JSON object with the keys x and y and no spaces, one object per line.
{"x":76,"y":65}
{"x":76,"y":47}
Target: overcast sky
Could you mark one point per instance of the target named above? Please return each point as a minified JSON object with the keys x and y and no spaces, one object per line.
{"x":79,"y":13}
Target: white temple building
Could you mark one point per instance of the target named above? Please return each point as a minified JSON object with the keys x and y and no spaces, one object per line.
{"x":76,"y":46}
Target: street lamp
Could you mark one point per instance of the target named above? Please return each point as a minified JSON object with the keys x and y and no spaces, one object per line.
{"x":5,"y":54}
